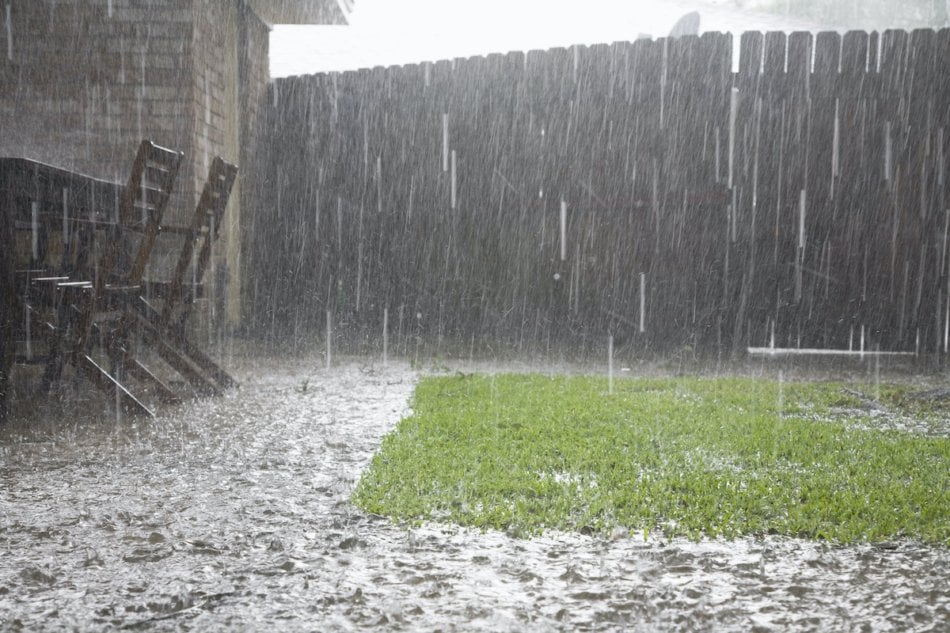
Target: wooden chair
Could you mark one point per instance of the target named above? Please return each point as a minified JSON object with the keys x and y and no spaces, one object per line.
{"x":114,"y":281}
{"x":166,"y":328}
{"x":105,"y":300}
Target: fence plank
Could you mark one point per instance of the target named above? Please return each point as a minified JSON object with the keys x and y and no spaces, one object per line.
{"x":636,"y":138}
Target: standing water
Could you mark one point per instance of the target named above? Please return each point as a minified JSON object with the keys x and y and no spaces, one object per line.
{"x":235,"y":513}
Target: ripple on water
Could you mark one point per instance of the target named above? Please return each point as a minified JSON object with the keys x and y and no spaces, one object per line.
{"x":234,"y":513}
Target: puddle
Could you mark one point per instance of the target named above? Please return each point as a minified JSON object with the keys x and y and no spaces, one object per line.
{"x":234,"y":513}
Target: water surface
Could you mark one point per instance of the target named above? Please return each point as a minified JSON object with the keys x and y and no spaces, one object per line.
{"x":234,"y":513}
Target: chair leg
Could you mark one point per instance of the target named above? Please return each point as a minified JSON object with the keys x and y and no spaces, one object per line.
{"x":107,"y":383}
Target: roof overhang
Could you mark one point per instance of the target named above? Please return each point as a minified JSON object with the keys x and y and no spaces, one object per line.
{"x":302,"y":11}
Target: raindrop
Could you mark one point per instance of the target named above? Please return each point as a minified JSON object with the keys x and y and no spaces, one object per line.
{"x":946,"y":327}
{"x":755,"y":162}
{"x":212,"y":281}
{"x":445,"y":141}
{"x":385,"y":335}
{"x":663,"y":71}
{"x":835,"y":148}
{"x":329,"y":335}
{"x":26,"y":323}
{"x":734,"y":215}
{"x":65,"y":216}
{"x":412,"y":190}
{"x":563,"y":230}
{"x":643,"y":301}
{"x":194,"y":274}
{"x":801,"y":219}
{"x":365,"y":145}
{"x":339,"y":223}
{"x":118,"y":400}
{"x":35,"y":229}
{"x":316,"y":219}
{"x":453,"y":179}
{"x":941,"y":165}
{"x":279,"y":189}
{"x":718,"y":151}
{"x":9,"y":34}
{"x":733,"y":109}
{"x":379,"y":185}
{"x":577,"y":60}
{"x":610,"y":364}
{"x":359,"y":260}
{"x":888,"y":151}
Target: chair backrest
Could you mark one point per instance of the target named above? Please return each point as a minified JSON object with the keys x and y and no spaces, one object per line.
{"x":145,"y":198}
{"x":141,"y":206}
{"x":205,"y":225}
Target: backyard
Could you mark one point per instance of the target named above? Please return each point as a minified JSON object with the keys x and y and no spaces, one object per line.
{"x":238,"y":512}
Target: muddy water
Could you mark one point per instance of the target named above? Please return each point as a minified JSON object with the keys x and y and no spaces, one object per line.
{"x":234,"y":514}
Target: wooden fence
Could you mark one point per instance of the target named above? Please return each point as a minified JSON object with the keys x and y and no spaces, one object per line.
{"x":643,"y":189}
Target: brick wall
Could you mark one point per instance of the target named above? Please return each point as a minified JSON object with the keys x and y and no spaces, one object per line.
{"x":213,"y":23}
{"x":82,"y":82}
{"x":255,"y":76}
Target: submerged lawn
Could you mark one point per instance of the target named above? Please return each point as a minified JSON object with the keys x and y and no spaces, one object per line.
{"x":685,"y":456}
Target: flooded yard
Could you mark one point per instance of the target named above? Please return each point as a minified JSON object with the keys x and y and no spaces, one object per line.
{"x":234,"y":514}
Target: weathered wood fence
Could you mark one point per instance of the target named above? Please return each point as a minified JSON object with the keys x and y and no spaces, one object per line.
{"x":639,"y":188}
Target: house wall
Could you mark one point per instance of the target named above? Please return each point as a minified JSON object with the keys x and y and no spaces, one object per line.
{"x":83,"y":81}
{"x":255,"y":73}
{"x":230,"y":83}
{"x":216,"y":121}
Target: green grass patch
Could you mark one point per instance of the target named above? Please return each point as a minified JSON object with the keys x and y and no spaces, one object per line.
{"x":714,"y":457}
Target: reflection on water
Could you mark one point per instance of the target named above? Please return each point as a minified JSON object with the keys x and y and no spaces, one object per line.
{"x":234,"y":513}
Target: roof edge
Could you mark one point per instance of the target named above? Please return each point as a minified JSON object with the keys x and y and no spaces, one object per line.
{"x":303,"y":11}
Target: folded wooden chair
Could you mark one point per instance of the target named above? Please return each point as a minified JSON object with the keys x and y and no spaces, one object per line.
{"x":114,"y":281}
{"x":166,"y":328}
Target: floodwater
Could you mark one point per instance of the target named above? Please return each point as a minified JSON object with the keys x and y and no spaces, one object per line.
{"x":234,"y":514}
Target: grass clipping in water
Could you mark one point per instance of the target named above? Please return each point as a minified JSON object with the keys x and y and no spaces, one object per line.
{"x":694,"y":457}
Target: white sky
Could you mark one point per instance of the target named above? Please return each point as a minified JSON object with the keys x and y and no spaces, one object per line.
{"x":390,"y":32}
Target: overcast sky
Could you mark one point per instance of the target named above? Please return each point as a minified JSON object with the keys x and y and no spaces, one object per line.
{"x":390,"y":32}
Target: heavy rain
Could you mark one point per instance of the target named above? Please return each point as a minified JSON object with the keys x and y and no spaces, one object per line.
{"x":241,"y":240}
